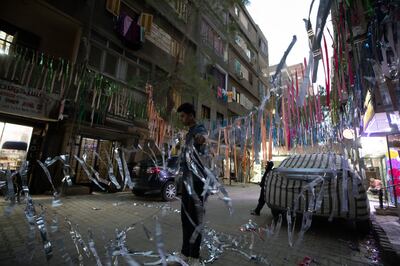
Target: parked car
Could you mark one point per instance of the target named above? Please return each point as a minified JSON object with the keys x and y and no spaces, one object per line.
{"x":148,"y":178}
{"x":284,"y":184}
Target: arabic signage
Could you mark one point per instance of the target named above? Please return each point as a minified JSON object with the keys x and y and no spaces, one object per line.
{"x":27,"y":102}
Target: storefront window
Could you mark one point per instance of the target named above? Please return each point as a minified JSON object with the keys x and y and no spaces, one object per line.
{"x":393,"y":168}
{"x":86,"y":148}
{"x":14,"y":144}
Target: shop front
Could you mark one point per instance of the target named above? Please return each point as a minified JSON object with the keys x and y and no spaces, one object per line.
{"x":380,"y":148}
{"x":14,"y":145}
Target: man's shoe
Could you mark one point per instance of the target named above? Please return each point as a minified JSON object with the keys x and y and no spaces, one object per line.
{"x":195,"y":262}
{"x":254,"y":212}
{"x":177,"y":259}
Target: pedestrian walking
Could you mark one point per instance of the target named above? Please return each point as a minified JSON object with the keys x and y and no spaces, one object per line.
{"x":192,"y":208}
{"x":261,"y":200}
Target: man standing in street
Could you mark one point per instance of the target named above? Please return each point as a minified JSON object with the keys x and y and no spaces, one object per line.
{"x":192,"y":202}
{"x":261,"y":200}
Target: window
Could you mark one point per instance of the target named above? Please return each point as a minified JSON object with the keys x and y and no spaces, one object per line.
{"x":165,"y":41}
{"x":237,"y":11}
{"x":220,"y":118}
{"x":177,"y":98}
{"x":113,"y":6}
{"x":240,"y":70}
{"x":98,"y":38}
{"x":160,"y":38}
{"x":220,"y":78}
{"x":243,"y":20}
{"x":263,"y":47}
{"x":118,"y":63}
{"x":234,"y":92}
{"x":261,"y":89}
{"x":181,"y":7}
{"x":242,"y":43}
{"x":205,"y":112}
{"x":251,"y":78}
{"x":177,"y":50}
{"x":238,"y":67}
{"x":95,"y":57}
{"x":137,"y":73}
{"x":246,"y":103}
{"x":5,"y":42}
{"x":210,"y":37}
{"x":111,"y":64}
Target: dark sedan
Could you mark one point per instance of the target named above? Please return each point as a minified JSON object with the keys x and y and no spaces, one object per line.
{"x":149,"y":178}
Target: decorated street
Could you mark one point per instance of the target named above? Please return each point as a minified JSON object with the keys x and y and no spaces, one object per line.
{"x":200,"y":132}
{"x":326,"y":243}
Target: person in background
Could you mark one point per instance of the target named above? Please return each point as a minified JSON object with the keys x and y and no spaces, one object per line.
{"x":375,"y":185}
{"x":190,"y":206}
{"x":261,"y":200}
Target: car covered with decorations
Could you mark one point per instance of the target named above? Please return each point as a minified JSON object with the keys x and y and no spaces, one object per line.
{"x":324,"y":184}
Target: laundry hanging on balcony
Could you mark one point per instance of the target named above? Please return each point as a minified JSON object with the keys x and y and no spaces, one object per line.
{"x":222,"y":94}
{"x":130,"y":31}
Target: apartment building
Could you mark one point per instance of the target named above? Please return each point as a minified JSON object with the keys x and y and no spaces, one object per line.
{"x":73,"y":73}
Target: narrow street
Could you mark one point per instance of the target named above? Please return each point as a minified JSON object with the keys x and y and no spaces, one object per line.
{"x":293,"y":103}
{"x":326,"y":243}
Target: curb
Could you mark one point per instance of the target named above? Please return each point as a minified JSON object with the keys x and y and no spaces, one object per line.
{"x":389,"y":255}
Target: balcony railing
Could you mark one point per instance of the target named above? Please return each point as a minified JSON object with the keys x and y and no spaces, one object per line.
{"x":32,"y":81}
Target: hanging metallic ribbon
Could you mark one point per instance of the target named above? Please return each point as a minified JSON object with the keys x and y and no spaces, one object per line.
{"x":56,"y":195}
{"x":88,"y":173}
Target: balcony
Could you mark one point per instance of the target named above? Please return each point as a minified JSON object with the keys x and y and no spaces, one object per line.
{"x":38,"y":86}
{"x":27,"y":88}
{"x":244,"y":82}
{"x":251,"y":62}
{"x":237,"y":108}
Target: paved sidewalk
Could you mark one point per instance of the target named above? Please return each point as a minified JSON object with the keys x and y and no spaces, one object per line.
{"x":327,"y":243}
{"x":387,"y":231}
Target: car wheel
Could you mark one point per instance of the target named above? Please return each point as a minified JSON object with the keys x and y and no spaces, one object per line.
{"x":168,"y":192}
{"x":364,"y":226}
{"x":138,"y":192}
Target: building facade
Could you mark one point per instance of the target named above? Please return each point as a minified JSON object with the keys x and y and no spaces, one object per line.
{"x":74,"y":73}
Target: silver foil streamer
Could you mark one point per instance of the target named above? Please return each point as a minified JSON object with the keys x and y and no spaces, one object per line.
{"x":41,"y":225}
{"x":111,"y":175}
{"x":92,"y":248}
{"x":23,"y":172}
{"x":160,"y":242}
{"x":120,"y":167}
{"x":67,"y":170}
{"x":56,"y":196}
{"x":120,"y":249}
{"x":128,"y":180}
{"x":3,"y":184}
{"x":89,"y":175}
{"x":148,"y":233}
{"x":152,"y":159}
{"x":10,"y":192}
{"x":97,"y":175}
{"x":152,"y":152}
{"x":216,"y":243}
{"x":75,"y":240}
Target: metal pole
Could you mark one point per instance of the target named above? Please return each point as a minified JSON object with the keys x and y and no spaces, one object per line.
{"x":381,"y":198}
{"x":391,"y":172}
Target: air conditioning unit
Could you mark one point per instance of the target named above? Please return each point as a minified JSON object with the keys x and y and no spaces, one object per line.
{"x":240,"y":75}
